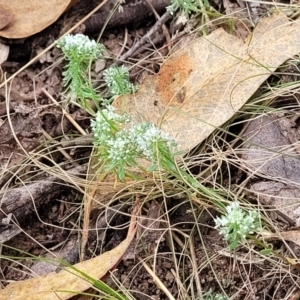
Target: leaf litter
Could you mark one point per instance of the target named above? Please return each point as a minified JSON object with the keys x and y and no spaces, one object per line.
{"x":203,"y":85}
{"x":70,"y":280}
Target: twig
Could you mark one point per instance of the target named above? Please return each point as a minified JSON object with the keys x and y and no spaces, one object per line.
{"x":22,"y":201}
{"x":62,"y":151}
{"x":124,"y":43}
{"x":164,"y":18}
{"x":195,"y":271}
{"x":68,"y":116}
{"x":131,"y":12}
{"x":164,"y":27}
{"x":156,"y":280}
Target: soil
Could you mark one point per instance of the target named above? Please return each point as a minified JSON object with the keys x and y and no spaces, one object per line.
{"x":41,"y":212}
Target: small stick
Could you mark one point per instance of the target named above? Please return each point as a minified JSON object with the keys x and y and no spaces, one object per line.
{"x":164,"y":18}
{"x":124,"y":44}
{"x":164,"y":27}
{"x":195,"y":271}
{"x":157,"y":281}
{"x":62,"y":151}
{"x":68,"y":116}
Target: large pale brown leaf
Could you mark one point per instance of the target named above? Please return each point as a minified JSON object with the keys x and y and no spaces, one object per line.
{"x":5,"y":17}
{"x":31,"y":16}
{"x":204,"y":84}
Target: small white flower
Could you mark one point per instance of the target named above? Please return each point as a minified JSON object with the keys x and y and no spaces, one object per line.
{"x":117,"y":80}
{"x":120,"y":147}
{"x":148,"y":136}
{"x":80,"y":46}
{"x":105,"y":123}
{"x":236,"y":224}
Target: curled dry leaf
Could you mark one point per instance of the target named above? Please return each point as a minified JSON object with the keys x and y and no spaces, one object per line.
{"x":30,"y":16}
{"x":204,"y":84}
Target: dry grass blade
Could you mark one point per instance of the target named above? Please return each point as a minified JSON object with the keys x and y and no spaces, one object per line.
{"x":158,"y":282}
{"x":76,"y":125}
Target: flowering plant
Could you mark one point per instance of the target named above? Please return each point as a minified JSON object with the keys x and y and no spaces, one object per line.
{"x":212,"y":296}
{"x":186,"y":6}
{"x":120,"y":147}
{"x":80,"y":51}
{"x":117,"y":80}
{"x":236,"y":224}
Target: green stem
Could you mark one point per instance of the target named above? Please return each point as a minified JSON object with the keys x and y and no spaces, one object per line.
{"x":169,"y":164}
{"x":275,"y":253}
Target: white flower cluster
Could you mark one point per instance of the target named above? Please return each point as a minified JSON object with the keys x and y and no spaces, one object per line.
{"x":104,"y":125}
{"x":186,"y":6}
{"x":237,"y":224}
{"x":81,"y":46}
{"x":148,"y":137}
{"x":121,"y":146}
{"x":117,"y":80}
{"x":210,"y":295}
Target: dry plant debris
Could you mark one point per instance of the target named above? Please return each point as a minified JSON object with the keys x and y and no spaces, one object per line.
{"x":194,"y":93}
{"x":206,"y":82}
{"x":269,"y":154}
{"x":4,"y":51}
{"x":64,"y":284}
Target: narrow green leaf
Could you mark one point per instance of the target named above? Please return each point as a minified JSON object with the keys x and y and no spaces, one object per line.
{"x":152,"y":168}
{"x":266,"y":251}
{"x":233,"y":244}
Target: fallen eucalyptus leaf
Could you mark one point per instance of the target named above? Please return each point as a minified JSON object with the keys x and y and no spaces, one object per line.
{"x":5,"y":16}
{"x":205,"y":83}
{"x":31,"y":16}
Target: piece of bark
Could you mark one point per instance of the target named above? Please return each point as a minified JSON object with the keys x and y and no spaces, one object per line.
{"x":268,"y":153}
{"x":8,"y":231}
{"x":22,"y":201}
{"x":131,"y":12}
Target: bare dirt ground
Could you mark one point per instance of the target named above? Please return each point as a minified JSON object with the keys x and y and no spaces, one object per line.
{"x":47,"y":210}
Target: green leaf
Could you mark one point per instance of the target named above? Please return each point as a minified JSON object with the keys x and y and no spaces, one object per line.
{"x":152,"y":168}
{"x":121,"y":173}
{"x":233,"y":244}
{"x":266,"y":251}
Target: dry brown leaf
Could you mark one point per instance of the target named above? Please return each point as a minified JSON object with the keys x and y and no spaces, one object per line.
{"x":204,"y":84}
{"x":59,"y":286}
{"x":31,"y":16}
{"x":5,"y":17}
{"x":291,"y":236}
